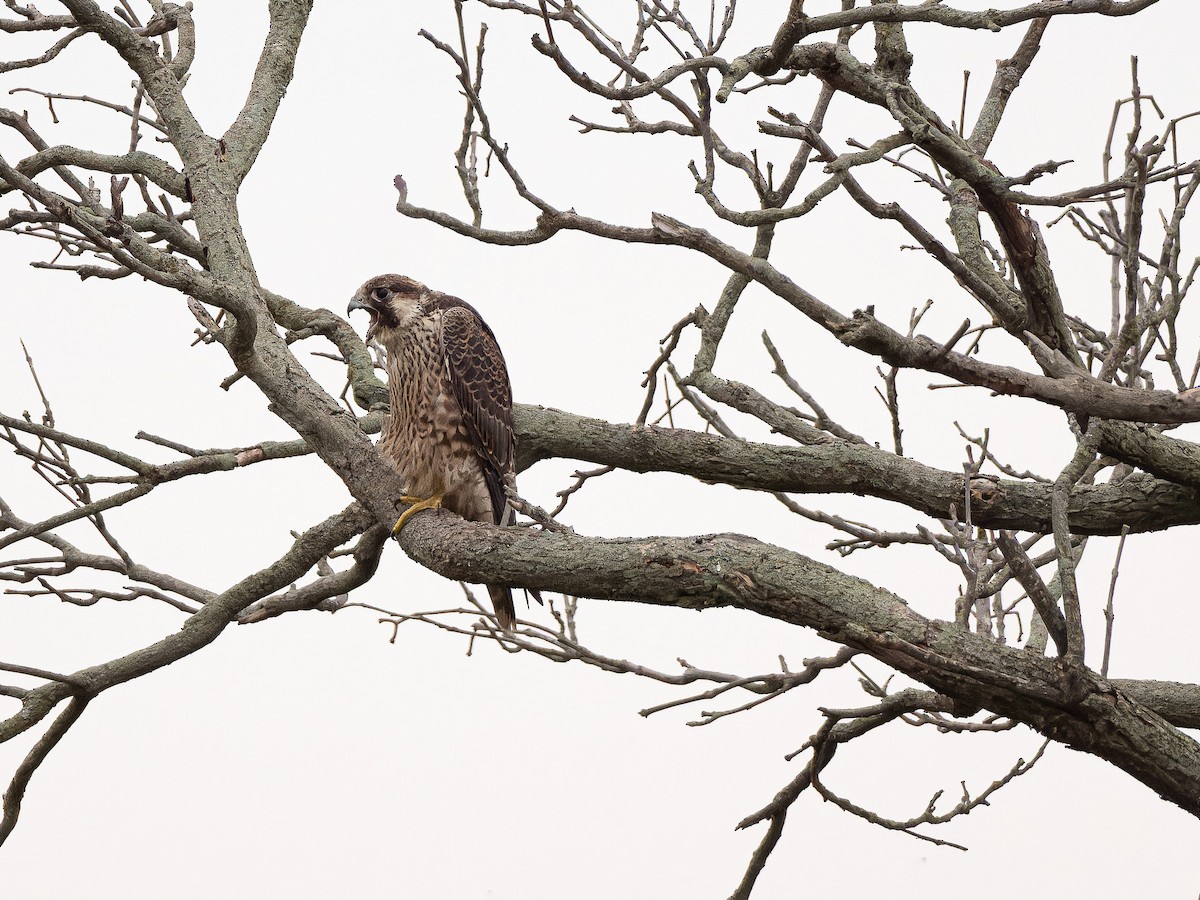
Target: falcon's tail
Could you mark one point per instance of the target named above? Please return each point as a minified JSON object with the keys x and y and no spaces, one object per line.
{"x":502,"y":603}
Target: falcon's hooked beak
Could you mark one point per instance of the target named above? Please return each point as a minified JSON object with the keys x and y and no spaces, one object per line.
{"x":356,"y":302}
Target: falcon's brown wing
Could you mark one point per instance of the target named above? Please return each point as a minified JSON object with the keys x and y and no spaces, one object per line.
{"x":479,"y":379}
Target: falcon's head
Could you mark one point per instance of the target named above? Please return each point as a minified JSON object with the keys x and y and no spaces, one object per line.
{"x":390,"y":300}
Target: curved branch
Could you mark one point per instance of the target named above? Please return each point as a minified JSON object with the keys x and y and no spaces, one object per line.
{"x":134,"y":162}
{"x":52,"y":51}
{"x":767,"y":61}
{"x":644,"y":86}
{"x":1075,"y":706}
{"x":332,"y":586}
{"x":36,"y":756}
{"x":276,"y":65}
{"x":1069,"y":388}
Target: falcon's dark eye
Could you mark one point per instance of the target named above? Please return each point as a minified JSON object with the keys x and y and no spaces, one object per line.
{"x":380,"y":293}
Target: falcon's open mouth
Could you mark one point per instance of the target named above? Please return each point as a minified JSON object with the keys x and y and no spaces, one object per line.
{"x":355,"y":303}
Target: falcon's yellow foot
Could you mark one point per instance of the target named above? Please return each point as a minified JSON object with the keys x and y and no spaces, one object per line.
{"x":418,"y":504}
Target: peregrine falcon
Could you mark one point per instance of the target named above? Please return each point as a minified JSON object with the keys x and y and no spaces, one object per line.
{"x":450,"y":432}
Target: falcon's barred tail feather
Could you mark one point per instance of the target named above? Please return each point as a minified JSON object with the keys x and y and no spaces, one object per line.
{"x":502,"y":603}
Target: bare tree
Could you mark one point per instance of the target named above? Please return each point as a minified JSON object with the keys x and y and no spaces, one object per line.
{"x":1007,"y":650}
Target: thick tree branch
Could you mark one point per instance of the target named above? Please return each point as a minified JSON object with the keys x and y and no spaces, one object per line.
{"x":1074,"y":706}
{"x":767,"y":61}
{"x":845,"y":468}
{"x":276,"y":65}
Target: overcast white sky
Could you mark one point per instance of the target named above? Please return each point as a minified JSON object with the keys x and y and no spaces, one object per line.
{"x":307,"y":756}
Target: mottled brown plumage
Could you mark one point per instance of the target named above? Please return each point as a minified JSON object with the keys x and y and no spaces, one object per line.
{"x":450,"y":433}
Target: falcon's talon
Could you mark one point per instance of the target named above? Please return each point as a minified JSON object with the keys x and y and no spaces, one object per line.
{"x":418,"y":504}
